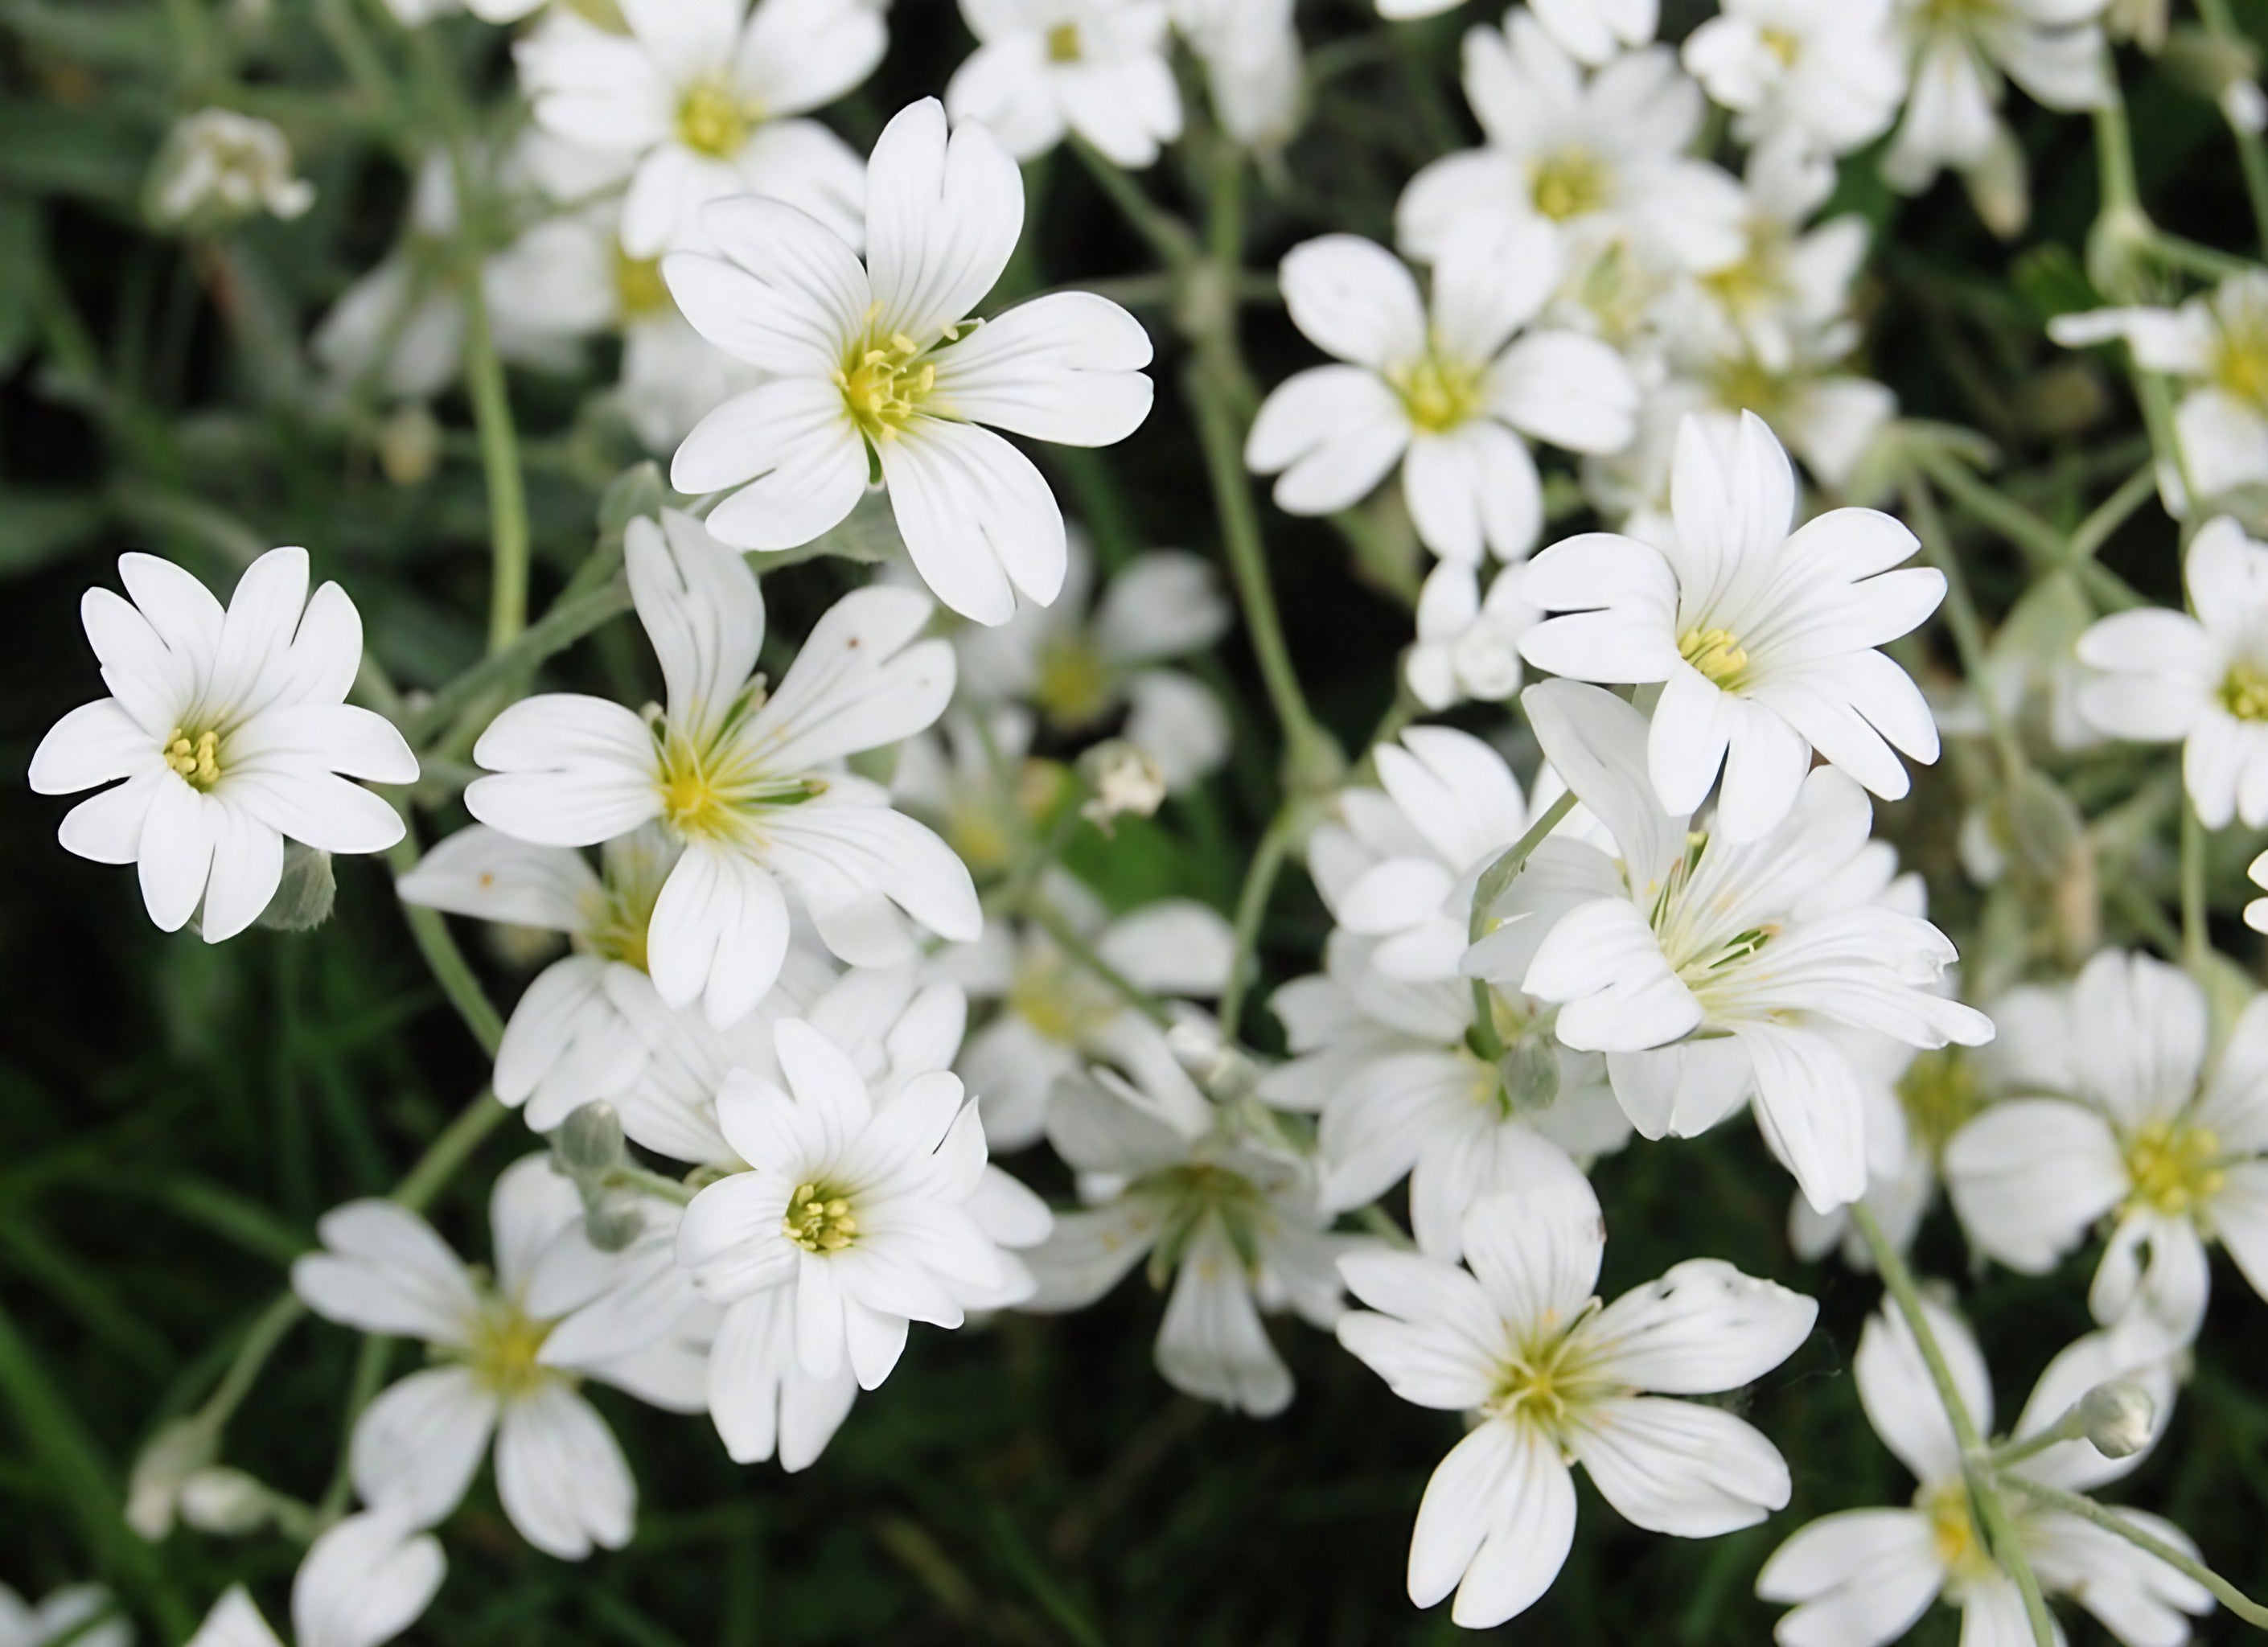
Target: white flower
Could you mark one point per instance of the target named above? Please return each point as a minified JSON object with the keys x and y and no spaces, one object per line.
{"x":1600,"y":157}
{"x":1446,"y":395}
{"x":1079,"y":669}
{"x":220,"y":165}
{"x":1401,"y":862}
{"x":63,"y":1615}
{"x":1468,"y":645}
{"x":1551,"y":1378}
{"x":972,"y":776}
{"x":1764,"y":641}
{"x":2052,"y":48}
{"x":416,"y":1448}
{"x":1254,"y":73}
{"x":878,"y":369}
{"x":2256,"y":913}
{"x":1824,"y":74}
{"x":232,"y":731}
{"x":752,"y":784}
{"x":1231,"y":1222}
{"x":1706,"y":968}
{"x":861,"y":1209}
{"x":2170,"y":1144}
{"x":364,"y":1581}
{"x":704,"y":94}
{"x":1386,"y":1063}
{"x":1778,"y":314}
{"x":2164,"y":676}
{"x":1865,"y":1576}
{"x":2217,"y":344}
{"x":1054,"y":1015}
{"x":1096,"y":68}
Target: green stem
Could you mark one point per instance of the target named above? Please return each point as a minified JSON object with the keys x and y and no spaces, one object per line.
{"x":2221,"y":25}
{"x":1961,"y":617}
{"x":1984,"y":1489}
{"x":2192,"y":258}
{"x":1075,"y":945}
{"x":1497,"y":879}
{"x":568,"y":621}
{"x":2011,"y":520}
{"x":2197,"y":942}
{"x":2110,"y":1521}
{"x":1251,"y":907}
{"x":2113,"y":512}
{"x":500,"y":464}
{"x":1167,"y":235}
{"x":2114,"y":156}
{"x":661,"y":1186}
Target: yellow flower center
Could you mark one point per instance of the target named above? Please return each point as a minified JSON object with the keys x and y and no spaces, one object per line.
{"x":1717,"y":653}
{"x":2244,"y":691}
{"x":819,"y":1219}
{"x":1060,"y":1001}
{"x":1940,"y":1094}
{"x":1781,"y":43}
{"x":1756,"y":278}
{"x":1953,"y":1530}
{"x":712,"y":119}
{"x":196,"y":756}
{"x":2240,"y":363}
{"x":1742,"y":382}
{"x":2174,"y":1168}
{"x":1548,"y":1377}
{"x":1074,"y":685}
{"x":714,"y":791}
{"x":502,"y":1349}
{"x":1439,"y":394}
{"x":1064,"y":43}
{"x":885,"y":383}
{"x":1568,"y":184}
{"x":638,"y":286}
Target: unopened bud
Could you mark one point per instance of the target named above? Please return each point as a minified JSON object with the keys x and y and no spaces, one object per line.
{"x":1125,"y":780}
{"x":1529,"y":1070}
{"x":1216,"y":1064}
{"x":410,"y":444}
{"x":225,"y":1501}
{"x":613,"y":1225}
{"x":589,"y":1143}
{"x":2044,"y":825}
{"x":2119,"y":1418}
{"x":304,"y":894}
{"x":174,"y":1454}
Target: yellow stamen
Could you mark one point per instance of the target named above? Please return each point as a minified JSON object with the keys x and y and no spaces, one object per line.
{"x":884,"y":382}
{"x":819,"y":1219}
{"x":501,"y":1353}
{"x":638,"y":286}
{"x":1569,"y":184}
{"x":2244,"y":691}
{"x":1941,"y":1094}
{"x":1439,"y":394}
{"x":713,"y":121}
{"x":1717,"y":653}
{"x":198,"y":759}
{"x":1781,"y":43}
{"x":2174,"y":1168}
{"x":1064,"y":43}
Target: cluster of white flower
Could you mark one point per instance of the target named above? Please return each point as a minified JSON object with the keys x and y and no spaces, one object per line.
{"x":771,"y":1126}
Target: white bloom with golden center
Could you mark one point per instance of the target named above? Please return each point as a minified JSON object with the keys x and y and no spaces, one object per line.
{"x":1446,"y":393}
{"x":1551,"y":1378}
{"x":878,"y":371}
{"x":232,"y":732}
{"x":1861,"y":1578}
{"x":1708,"y":969}
{"x":2146,"y":1128}
{"x":2160,"y":675}
{"x":364,"y":1581}
{"x":857,"y":1213}
{"x":1598,"y":158}
{"x":1096,"y":68}
{"x":1763,"y":640}
{"x":508,"y":1367}
{"x":706,"y":97}
{"x":2217,"y":344}
{"x":1964,"y":52}
{"x":1468,"y":645}
{"x":1824,"y":76}
{"x":1231,"y":1222}
{"x":751,"y":783}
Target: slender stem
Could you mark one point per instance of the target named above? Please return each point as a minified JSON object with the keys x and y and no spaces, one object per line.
{"x":370,"y":1367}
{"x":449,"y":1152}
{"x":1167,"y":235}
{"x":1984,"y":1489}
{"x":282,"y":1315}
{"x":1075,"y":945}
{"x":2197,"y":942}
{"x":1251,"y":907}
{"x":1497,"y":879}
{"x":500,"y":464}
{"x":2113,"y":512}
{"x":568,"y":621}
{"x":2192,"y":258}
{"x":2114,"y":158}
{"x":661,"y":1186}
{"x":2071,"y":1426}
{"x":2110,"y":1521}
{"x":1961,"y":617}
{"x":2011,"y":520}
{"x":2251,"y":154}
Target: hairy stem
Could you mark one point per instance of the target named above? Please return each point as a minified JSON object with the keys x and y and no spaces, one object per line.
{"x":2110,"y":1521}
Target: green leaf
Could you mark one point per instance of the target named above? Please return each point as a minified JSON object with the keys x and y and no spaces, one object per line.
{"x":37,"y":526}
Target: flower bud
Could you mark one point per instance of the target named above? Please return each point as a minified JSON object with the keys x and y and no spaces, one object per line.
{"x":1529,"y":1070}
{"x":589,"y":1143}
{"x":224,"y":1501}
{"x":2117,"y":1418}
{"x":179,"y":1450}
{"x":1213,"y":1061}
{"x":219,"y":167}
{"x":410,"y":444}
{"x":1125,"y":780}
{"x":614,"y":1223}
{"x":304,"y":897}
